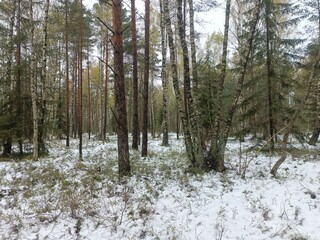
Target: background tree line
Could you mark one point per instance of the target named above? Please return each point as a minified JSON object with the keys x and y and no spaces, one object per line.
{"x":67,"y":71}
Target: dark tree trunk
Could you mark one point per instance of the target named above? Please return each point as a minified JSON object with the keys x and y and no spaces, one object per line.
{"x":119,"y":88}
{"x":165,"y":131}
{"x":18,"y":80}
{"x":7,"y":147}
{"x":105,"y":94}
{"x":89,"y":93}
{"x":80,"y":84}
{"x":269,"y":77}
{"x":144,"y":150}
{"x":67,"y":76}
{"x":75,"y":80}
{"x":135,"y":120}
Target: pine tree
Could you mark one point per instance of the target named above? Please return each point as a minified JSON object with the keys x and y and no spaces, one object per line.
{"x":119,"y":88}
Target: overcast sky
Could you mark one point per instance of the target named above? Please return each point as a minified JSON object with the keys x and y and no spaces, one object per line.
{"x":210,"y":21}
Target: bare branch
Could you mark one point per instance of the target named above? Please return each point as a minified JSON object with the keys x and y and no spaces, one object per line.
{"x":107,"y":64}
{"x":109,"y":28}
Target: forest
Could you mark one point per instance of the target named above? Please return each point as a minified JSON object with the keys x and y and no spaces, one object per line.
{"x":108,"y":111}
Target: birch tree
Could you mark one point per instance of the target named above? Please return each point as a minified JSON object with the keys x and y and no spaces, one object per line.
{"x":43,"y":80}
{"x":210,"y":156}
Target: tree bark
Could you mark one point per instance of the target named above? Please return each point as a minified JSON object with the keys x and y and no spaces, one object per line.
{"x":195,"y":81}
{"x":144,"y":150}
{"x":165,"y":131}
{"x":89,"y":92}
{"x":33,"y":87}
{"x":173,"y":65}
{"x":67,"y":76}
{"x":7,"y":144}
{"x":135,"y":120}
{"x":119,"y":88}
{"x":106,"y":94}
{"x":80,"y":83}
{"x":18,"y":80}
{"x":43,"y":95}
{"x":218,"y":145}
{"x":191,"y":114}
{"x":217,"y":140}
{"x":269,"y":76}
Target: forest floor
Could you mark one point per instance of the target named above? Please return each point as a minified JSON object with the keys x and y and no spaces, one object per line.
{"x":60,"y":197}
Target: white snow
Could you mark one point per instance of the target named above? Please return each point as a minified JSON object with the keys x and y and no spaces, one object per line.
{"x":59,"y":197}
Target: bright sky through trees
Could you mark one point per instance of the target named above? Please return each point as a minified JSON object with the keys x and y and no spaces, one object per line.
{"x":206,"y":22}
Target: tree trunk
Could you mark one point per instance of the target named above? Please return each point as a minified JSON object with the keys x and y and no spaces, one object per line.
{"x":89,"y":93}
{"x":75,"y":92}
{"x":165,"y":131}
{"x":135,"y":120}
{"x":183,"y":117}
{"x":144,"y":150}
{"x":105,"y":117}
{"x":7,"y":143}
{"x":190,"y":106}
{"x":218,"y":145}
{"x":195,"y":80}
{"x":67,"y":76}
{"x":43,"y":100}
{"x":269,"y":76}
{"x":33,"y":87}
{"x":7,"y":147}
{"x":153,"y":124}
{"x":119,"y":88}
{"x":80,"y":84}
{"x":18,"y":80}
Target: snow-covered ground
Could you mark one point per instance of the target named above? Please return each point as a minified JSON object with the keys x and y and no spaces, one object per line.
{"x":59,"y":197}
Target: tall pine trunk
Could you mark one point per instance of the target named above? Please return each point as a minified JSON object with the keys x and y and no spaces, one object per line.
{"x":7,"y":143}
{"x":80,"y":83}
{"x":67,"y":76}
{"x":89,"y":92}
{"x":135,"y":120}
{"x":18,"y":80}
{"x":33,"y":86}
{"x":144,"y":150}
{"x":164,"y":125}
{"x":105,"y":94}
{"x":119,"y":88}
